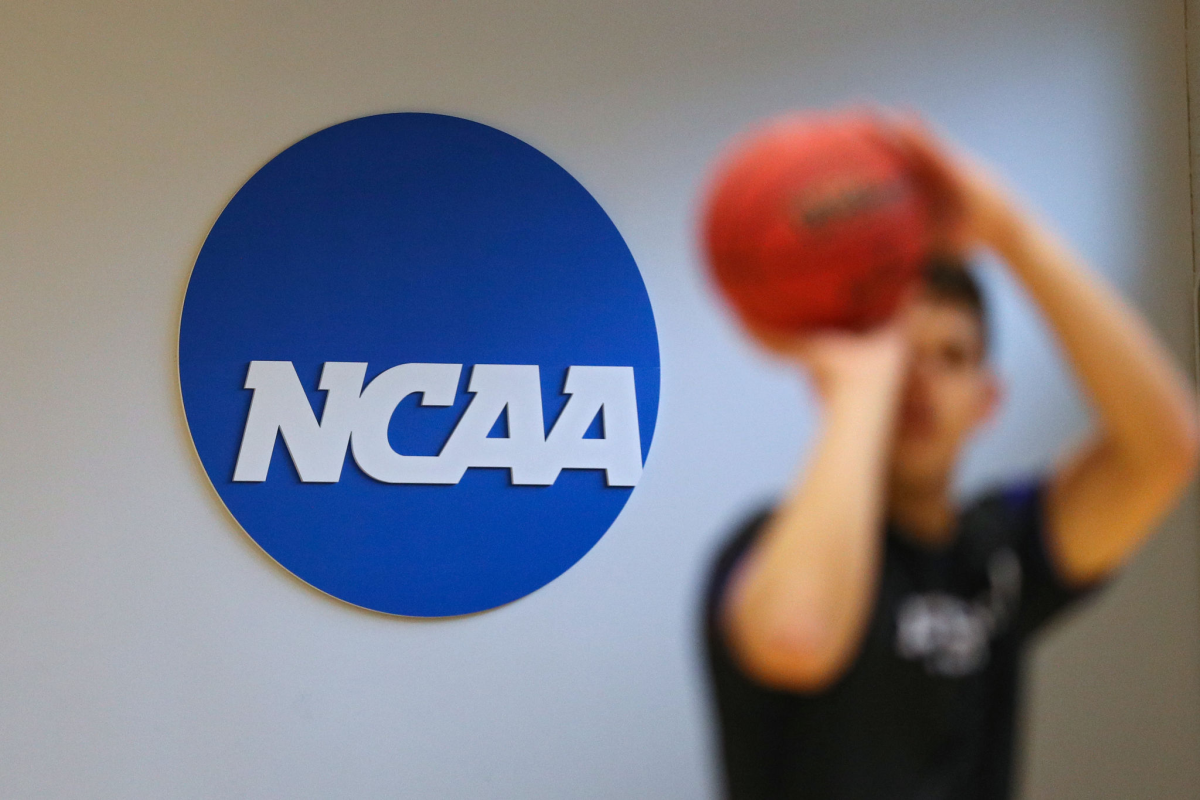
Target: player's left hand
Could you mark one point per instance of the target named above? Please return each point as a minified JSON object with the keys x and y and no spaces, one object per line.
{"x":972,"y":206}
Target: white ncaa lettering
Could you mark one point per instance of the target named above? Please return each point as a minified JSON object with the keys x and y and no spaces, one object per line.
{"x":358,"y":418}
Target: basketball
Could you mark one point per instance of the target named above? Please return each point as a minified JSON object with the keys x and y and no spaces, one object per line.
{"x":815,"y":221}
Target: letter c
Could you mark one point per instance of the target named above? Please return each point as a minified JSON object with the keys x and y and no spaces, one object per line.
{"x":438,"y":385}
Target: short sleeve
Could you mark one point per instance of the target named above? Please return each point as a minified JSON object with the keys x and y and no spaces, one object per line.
{"x":722,"y":568}
{"x":1044,"y":594}
{"x":752,"y":727}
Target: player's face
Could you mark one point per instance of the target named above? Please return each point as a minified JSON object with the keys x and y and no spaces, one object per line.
{"x":950,"y":391}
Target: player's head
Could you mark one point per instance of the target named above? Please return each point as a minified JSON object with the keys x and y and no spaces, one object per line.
{"x":950,"y":390}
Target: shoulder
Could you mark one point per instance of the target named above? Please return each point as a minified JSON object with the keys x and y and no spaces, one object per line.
{"x":1005,"y":518}
{"x":1012,"y":518}
{"x":1006,"y":512}
{"x":1017,"y":497}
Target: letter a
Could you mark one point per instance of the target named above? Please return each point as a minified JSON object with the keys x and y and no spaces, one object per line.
{"x":497,"y":387}
{"x":593,"y":390}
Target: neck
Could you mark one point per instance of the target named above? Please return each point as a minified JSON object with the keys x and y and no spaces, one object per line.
{"x":924,"y":514}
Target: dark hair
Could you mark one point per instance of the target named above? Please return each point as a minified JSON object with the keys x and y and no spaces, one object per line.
{"x":949,"y":279}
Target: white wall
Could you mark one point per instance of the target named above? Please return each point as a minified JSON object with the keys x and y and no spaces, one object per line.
{"x":148,"y":649}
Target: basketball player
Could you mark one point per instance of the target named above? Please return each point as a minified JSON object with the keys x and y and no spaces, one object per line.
{"x":865,"y":636}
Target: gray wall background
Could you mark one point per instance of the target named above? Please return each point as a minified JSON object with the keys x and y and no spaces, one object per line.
{"x":148,"y":649}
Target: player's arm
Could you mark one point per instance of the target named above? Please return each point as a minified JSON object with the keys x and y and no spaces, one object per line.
{"x":799,"y":600}
{"x":1106,"y":496}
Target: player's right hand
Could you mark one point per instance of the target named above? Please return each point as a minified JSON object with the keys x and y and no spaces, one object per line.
{"x":838,"y":361}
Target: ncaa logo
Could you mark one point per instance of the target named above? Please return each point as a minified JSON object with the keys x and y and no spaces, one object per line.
{"x":419,"y":364}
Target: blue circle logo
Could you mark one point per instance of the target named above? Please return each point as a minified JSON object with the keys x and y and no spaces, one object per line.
{"x":419,"y":364}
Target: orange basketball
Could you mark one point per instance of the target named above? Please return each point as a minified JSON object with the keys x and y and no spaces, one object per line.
{"x":815,"y":221}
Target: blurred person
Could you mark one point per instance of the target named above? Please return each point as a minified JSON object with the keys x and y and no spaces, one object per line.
{"x":865,"y":636}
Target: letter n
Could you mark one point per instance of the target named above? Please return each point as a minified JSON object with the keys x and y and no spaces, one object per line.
{"x":280,"y":406}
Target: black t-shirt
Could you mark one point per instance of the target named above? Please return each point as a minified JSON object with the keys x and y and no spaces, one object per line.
{"x":927,"y":708}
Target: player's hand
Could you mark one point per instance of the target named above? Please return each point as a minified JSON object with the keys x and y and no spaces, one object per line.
{"x":841,"y":362}
{"x":972,"y":206}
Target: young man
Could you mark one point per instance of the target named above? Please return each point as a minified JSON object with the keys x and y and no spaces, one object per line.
{"x":865,"y":636}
